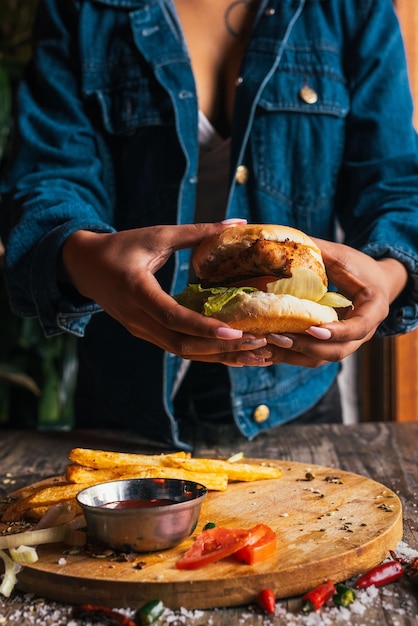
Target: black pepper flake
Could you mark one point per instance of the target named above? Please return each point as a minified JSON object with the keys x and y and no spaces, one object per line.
{"x":336,"y":480}
{"x":125,"y":557}
{"x":385,"y":507}
{"x":308,"y":477}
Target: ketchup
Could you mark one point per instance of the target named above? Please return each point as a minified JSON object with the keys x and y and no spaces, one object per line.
{"x":137,"y":504}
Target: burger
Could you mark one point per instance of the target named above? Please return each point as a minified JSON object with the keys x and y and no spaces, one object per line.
{"x":262,"y":278}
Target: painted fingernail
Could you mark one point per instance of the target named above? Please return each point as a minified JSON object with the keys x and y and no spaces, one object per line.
{"x":319,"y":333}
{"x":253,"y":359}
{"x":228,"y":333}
{"x":264,"y":353}
{"x":234,"y":220}
{"x":252,"y":344}
{"x":281,"y":341}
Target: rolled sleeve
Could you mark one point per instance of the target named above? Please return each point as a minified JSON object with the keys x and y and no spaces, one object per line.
{"x":34,"y":287}
{"x":403,"y":313}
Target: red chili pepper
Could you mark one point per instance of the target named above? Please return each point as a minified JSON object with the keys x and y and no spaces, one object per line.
{"x":382,"y":574}
{"x":410,"y":566}
{"x":96,"y":612}
{"x":266,"y":600}
{"x":314,"y":599}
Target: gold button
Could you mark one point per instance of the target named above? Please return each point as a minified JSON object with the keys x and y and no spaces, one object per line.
{"x":261,"y":413}
{"x":241,"y":174}
{"x":308,"y":95}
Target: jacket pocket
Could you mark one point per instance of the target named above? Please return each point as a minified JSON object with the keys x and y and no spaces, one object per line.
{"x":299,"y":136}
{"x":127,"y":94}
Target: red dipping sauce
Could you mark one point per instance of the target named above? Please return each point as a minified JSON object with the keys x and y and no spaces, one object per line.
{"x":137,"y":503}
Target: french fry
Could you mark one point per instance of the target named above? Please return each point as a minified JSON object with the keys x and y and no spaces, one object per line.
{"x":42,"y":498}
{"x":35,"y":513}
{"x":101,"y":459}
{"x":235,"y":471}
{"x":84,"y":475}
{"x":48,"y":496}
{"x":90,"y":467}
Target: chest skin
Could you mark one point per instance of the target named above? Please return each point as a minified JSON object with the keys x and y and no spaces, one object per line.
{"x":216,"y":33}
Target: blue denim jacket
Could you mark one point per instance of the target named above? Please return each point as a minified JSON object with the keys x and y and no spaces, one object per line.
{"x":107,"y":140}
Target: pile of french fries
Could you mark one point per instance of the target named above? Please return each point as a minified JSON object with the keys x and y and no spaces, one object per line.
{"x":90,"y":467}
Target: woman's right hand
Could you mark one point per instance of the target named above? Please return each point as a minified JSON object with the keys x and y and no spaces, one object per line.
{"x":117,"y":271}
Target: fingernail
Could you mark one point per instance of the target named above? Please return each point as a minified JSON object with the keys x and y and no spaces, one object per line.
{"x":250,"y":344}
{"x":234,"y":220}
{"x":260,"y":353}
{"x":281,"y":341}
{"x":228,"y":333}
{"x":264,"y":353}
{"x":253,"y":359}
{"x":319,"y":333}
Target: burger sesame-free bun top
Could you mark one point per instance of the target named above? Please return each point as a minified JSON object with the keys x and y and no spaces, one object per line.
{"x":250,"y":250}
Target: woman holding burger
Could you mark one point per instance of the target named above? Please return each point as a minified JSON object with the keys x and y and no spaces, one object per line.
{"x":146,"y":126}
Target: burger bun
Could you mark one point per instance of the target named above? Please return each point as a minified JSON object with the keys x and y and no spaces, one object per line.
{"x":261,"y":313}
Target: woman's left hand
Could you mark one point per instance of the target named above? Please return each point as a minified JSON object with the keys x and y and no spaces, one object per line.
{"x":370,"y":284}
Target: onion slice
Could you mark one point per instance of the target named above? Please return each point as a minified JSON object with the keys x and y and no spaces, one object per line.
{"x":56,"y":515}
{"x":11,"y":568}
{"x":335,"y":300}
{"x":33,"y":537}
{"x":54,"y":534}
{"x":238,"y":456}
{"x":304,"y":283}
{"x":24,"y":554}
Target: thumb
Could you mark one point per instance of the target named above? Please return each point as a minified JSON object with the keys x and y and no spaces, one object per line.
{"x":190,"y":235}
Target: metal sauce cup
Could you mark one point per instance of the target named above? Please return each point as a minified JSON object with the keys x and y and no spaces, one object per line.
{"x":117,"y":513}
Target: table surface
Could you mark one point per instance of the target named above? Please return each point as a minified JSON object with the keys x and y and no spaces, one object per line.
{"x":385,"y":452}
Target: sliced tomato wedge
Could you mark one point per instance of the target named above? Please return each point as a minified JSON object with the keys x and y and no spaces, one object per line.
{"x":260,"y":545}
{"x":258,"y":282}
{"x":213,"y":545}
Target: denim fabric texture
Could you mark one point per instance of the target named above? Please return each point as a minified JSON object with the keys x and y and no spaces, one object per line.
{"x":107,"y":140}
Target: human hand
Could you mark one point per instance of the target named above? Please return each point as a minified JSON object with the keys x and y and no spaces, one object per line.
{"x":117,"y":271}
{"x":371,"y":285}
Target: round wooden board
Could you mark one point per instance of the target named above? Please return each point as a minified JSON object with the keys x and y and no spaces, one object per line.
{"x":334,"y":526}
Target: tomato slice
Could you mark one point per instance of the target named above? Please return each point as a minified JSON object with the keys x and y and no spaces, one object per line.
{"x":260,"y":546}
{"x":258,"y":282}
{"x":212,"y":545}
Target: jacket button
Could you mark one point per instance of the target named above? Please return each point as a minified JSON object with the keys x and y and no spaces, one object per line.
{"x":241,"y":174}
{"x":308,"y":95}
{"x":261,"y":413}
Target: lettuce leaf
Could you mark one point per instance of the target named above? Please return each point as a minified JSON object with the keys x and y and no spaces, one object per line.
{"x":209,"y":300}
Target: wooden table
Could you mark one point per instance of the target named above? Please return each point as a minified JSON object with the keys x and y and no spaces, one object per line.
{"x":385,"y":452}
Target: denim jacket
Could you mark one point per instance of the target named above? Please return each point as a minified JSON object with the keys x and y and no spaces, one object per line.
{"x":107,"y":140}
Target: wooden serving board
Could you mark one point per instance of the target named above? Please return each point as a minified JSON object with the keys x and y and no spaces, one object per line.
{"x":335,"y":526}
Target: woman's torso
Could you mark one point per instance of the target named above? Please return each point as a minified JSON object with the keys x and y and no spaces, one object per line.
{"x":216,"y":33}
